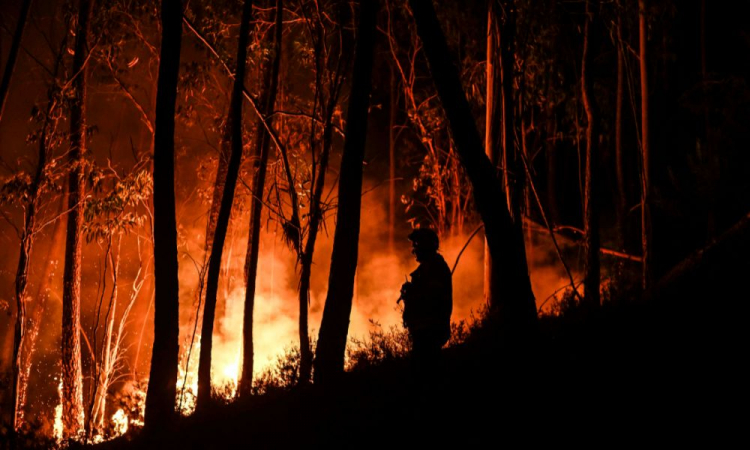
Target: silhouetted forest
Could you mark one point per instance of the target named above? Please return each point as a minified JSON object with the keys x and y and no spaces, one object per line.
{"x":205,"y":209}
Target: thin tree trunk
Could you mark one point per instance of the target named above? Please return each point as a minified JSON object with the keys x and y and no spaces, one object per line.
{"x":162,"y":386}
{"x":590,"y":214}
{"x":10,"y":65}
{"x":315,"y":211}
{"x":72,"y":391}
{"x":35,"y":322}
{"x":491,"y":115}
{"x":516,"y":308}
{"x":306,"y":356}
{"x":392,"y":160}
{"x":105,"y":368}
{"x":551,"y":150}
{"x":19,"y":365}
{"x":263,"y":140}
{"x":619,"y":170}
{"x":507,"y":74}
{"x":227,"y":198}
{"x":334,"y":328}
{"x":645,"y":182}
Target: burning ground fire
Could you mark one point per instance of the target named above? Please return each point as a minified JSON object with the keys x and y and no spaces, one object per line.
{"x":380,"y":274}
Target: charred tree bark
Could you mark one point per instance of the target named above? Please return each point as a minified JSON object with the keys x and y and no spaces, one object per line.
{"x":10,"y":65}
{"x":516,"y":309}
{"x":645,"y":182}
{"x":225,"y":210}
{"x":162,"y":386}
{"x":334,"y":328}
{"x":263,"y":140}
{"x":590,"y":213}
{"x":72,"y":391}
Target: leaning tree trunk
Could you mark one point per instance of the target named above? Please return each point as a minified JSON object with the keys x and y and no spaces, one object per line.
{"x":270,"y":87}
{"x":516,"y":308}
{"x":162,"y":385}
{"x":590,"y":213}
{"x":72,"y":379}
{"x":329,"y":354}
{"x":225,"y":210}
{"x":492,"y":111}
{"x":645,"y":183}
{"x":10,"y":65}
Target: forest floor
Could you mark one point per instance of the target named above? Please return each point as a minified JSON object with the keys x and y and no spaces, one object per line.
{"x":664,"y":371}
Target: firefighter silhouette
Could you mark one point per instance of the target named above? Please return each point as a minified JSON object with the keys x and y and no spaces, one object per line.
{"x":428,"y":301}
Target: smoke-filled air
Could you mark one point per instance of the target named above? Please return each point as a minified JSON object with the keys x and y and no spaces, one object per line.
{"x":291,"y":214}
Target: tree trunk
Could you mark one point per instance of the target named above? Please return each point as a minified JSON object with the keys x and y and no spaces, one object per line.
{"x":72,"y":391}
{"x":645,"y":182}
{"x":162,"y":386}
{"x":20,"y":364}
{"x":590,"y":213}
{"x":306,"y":356}
{"x":218,"y":189}
{"x":621,"y":201}
{"x":392,"y":160}
{"x":507,"y":75}
{"x":227,"y":198}
{"x":270,"y":88}
{"x":329,"y":355}
{"x":108,"y":353}
{"x":10,"y":65}
{"x":516,"y":308}
{"x":491,"y":119}
{"x":35,"y":322}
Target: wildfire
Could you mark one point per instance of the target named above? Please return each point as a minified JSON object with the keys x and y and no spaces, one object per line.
{"x":57,"y":429}
{"x":119,"y":423}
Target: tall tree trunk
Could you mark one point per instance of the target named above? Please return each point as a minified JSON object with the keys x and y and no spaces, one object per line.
{"x":262,"y":142}
{"x":225,"y":210}
{"x":621,"y":201}
{"x":218,"y":189}
{"x":104,"y":368}
{"x":20,"y":364}
{"x":551,"y":150}
{"x":306,"y":260}
{"x":507,"y":74}
{"x":10,"y":65}
{"x":516,"y":308}
{"x":645,"y":182}
{"x":493,"y":108}
{"x":328,"y":106}
{"x":392,"y":160}
{"x":334,"y":328}
{"x":72,"y":391}
{"x":590,"y":213}
{"x":35,"y":321}
{"x":162,"y":385}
